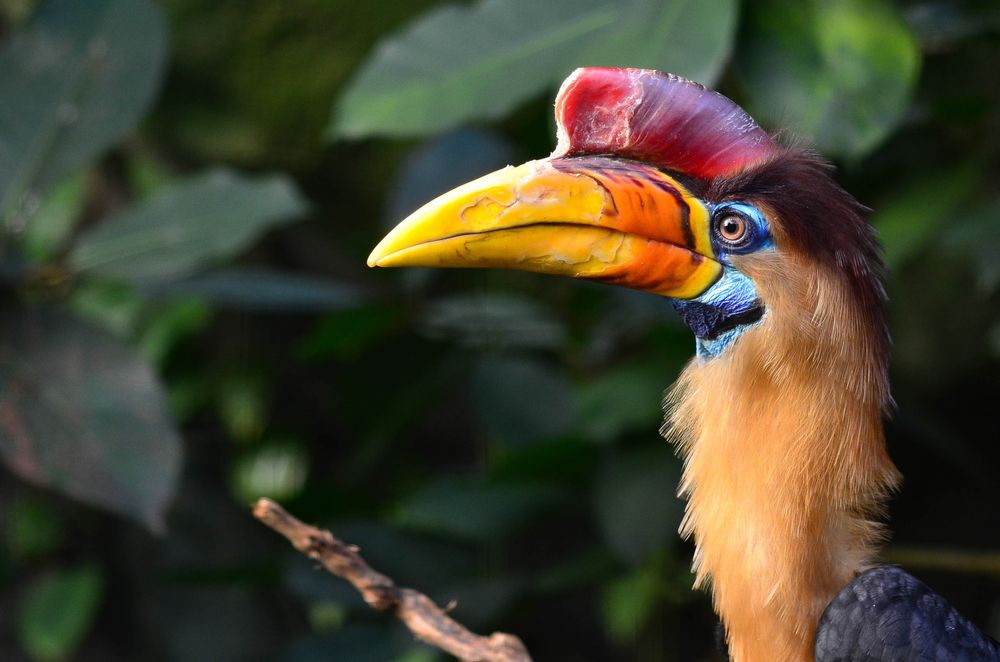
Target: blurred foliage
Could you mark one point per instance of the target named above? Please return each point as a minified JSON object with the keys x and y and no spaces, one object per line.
{"x":479,"y":62}
{"x":186,"y":322}
{"x":840,"y":72}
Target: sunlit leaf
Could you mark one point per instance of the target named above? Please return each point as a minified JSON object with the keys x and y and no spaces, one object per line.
{"x":58,"y":611}
{"x":261,"y":291}
{"x":838,"y":72}
{"x":326,"y":616}
{"x":275,"y":470}
{"x":519,"y":400}
{"x":635,"y":501}
{"x":74,"y":81}
{"x":243,"y":403}
{"x":82,"y":413}
{"x":474,"y":509}
{"x":186,"y":226}
{"x":461,"y":63}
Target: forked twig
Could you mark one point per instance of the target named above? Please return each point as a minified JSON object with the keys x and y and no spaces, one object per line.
{"x":422,"y":616}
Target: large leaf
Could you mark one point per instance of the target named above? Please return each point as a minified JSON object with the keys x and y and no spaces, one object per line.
{"x":57,"y":612}
{"x":189,"y":224}
{"x":839,"y":72}
{"x":478,"y":62}
{"x":74,"y":81}
{"x":82,"y":413}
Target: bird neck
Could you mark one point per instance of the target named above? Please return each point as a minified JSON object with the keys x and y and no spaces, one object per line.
{"x":785,"y":468}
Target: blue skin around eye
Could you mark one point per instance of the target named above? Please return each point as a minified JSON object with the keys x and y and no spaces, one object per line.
{"x":730,"y":306}
{"x":758,"y":226}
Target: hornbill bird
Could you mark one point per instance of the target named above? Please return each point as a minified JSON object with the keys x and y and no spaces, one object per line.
{"x":661,"y":185}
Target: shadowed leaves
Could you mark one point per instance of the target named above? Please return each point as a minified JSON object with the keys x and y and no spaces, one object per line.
{"x":82,"y":413}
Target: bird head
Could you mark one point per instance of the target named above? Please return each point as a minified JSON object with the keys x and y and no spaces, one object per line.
{"x":661,"y":185}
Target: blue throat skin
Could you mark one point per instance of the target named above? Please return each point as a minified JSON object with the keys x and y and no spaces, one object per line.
{"x":720,"y":314}
{"x":730,"y":306}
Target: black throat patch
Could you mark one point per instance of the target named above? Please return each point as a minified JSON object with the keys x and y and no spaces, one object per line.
{"x":708,"y":322}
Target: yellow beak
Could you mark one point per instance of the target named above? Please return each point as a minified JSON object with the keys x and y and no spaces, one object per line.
{"x":597,"y":218}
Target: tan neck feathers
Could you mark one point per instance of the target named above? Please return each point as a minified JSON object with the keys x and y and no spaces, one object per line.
{"x":785,"y":466}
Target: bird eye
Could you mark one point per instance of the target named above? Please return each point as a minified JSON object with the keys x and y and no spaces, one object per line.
{"x":733,"y":229}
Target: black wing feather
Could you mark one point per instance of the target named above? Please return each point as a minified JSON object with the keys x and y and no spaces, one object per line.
{"x":887,"y":615}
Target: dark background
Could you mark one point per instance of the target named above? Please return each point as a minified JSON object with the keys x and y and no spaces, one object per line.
{"x":188,"y":193}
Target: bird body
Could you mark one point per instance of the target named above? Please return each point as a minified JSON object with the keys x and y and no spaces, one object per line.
{"x":661,"y":185}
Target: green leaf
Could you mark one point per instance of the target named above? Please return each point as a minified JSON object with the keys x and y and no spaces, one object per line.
{"x":34,"y":528}
{"x":469,"y":508}
{"x":635,"y":502}
{"x":839,"y":72}
{"x":165,"y":327}
{"x":54,"y":221}
{"x":519,"y":400}
{"x":83,"y":413}
{"x":627,"y":603}
{"x":912,"y":215}
{"x":58,"y":611}
{"x":345,"y":334}
{"x":623,"y":399}
{"x":77,"y":78}
{"x":186,"y":226}
{"x":462,"y":63}
{"x":114,"y":306}
{"x":276,"y":470}
{"x":244,"y":403}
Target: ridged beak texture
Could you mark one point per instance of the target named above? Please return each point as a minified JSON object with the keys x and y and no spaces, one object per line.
{"x":597,"y":218}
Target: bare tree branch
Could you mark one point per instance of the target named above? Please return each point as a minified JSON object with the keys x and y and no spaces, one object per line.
{"x":426,"y":620}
